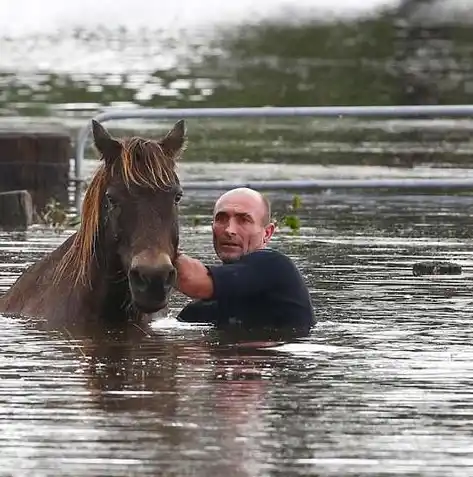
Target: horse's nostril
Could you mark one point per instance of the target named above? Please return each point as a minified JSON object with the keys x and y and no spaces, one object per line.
{"x":140,"y":279}
{"x":147,"y":279}
{"x":172,"y":277}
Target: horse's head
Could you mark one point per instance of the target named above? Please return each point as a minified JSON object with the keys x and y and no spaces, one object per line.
{"x":138,"y":215}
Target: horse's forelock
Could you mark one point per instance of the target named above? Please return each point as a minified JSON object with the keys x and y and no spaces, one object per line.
{"x":144,"y":163}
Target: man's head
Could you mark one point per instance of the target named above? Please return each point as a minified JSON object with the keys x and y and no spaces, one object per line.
{"x":241,"y":223}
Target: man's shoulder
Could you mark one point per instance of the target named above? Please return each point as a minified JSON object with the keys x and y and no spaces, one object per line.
{"x":269,"y":256}
{"x":272,"y":262}
{"x":266,"y":253}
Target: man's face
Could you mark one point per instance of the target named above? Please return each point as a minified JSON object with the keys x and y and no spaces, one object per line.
{"x":239,"y":226}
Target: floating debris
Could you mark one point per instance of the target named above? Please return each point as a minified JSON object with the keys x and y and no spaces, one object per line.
{"x":436,"y":268}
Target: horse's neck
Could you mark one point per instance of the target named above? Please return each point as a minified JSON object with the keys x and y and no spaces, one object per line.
{"x":106,"y":297}
{"x":109,"y":288}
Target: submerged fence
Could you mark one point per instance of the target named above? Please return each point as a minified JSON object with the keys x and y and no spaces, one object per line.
{"x":420,"y":111}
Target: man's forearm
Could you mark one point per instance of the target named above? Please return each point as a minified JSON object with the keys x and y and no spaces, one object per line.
{"x":192,"y":277}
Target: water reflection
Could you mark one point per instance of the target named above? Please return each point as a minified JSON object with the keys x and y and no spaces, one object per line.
{"x":133,"y":401}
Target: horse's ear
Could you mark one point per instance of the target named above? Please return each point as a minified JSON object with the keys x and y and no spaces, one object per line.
{"x":108,"y":147}
{"x":175,"y":140}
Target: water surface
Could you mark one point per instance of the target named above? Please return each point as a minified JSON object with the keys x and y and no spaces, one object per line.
{"x":380,"y":387}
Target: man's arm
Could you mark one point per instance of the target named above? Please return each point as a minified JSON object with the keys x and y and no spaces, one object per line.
{"x":193,"y":277}
{"x":251,"y":275}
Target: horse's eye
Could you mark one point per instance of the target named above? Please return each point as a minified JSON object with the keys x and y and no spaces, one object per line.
{"x":111,"y":200}
{"x":178,"y":197}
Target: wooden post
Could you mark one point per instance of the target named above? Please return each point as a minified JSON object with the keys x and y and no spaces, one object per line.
{"x":36,"y":160}
{"x":16,"y":210}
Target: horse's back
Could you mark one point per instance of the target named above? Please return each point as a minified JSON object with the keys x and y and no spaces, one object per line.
{"x":34,"y":291}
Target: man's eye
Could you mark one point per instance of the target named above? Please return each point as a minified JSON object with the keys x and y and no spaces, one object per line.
{"x":219,"y":218}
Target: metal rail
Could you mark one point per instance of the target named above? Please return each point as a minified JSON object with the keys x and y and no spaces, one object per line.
{"x":325,"y":184}
{"x":425,"y":111}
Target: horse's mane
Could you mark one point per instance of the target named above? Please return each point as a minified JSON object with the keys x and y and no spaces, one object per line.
{"x":142,"y":162}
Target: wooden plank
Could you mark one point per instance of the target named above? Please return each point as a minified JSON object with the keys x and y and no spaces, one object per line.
{"x":16,"y":210}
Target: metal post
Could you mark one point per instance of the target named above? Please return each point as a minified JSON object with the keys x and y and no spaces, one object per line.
{"x":269,"y":111}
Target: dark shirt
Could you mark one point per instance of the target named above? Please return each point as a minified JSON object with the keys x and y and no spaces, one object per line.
{"x":262,"y":289}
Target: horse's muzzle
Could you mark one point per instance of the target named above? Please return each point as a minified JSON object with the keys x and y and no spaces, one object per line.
{"x":151,"y":286}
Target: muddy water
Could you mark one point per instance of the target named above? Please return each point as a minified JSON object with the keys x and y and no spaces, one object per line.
{"x":382,"y":386}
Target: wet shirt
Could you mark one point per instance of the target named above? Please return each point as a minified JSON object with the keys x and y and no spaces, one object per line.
{"x":262,"y":289}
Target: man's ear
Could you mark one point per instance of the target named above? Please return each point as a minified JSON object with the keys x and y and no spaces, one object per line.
{"x":268,"y":232}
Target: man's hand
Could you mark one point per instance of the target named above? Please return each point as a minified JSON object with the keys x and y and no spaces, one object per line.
{"x":193,"y":278}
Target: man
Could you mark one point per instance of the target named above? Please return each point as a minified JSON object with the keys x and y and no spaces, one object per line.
{"x":255,"y":286}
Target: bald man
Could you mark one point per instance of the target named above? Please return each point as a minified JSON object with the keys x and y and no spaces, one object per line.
{"x":255,"y":286}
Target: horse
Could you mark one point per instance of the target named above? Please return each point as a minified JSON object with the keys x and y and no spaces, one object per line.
{"x":119,"y":265}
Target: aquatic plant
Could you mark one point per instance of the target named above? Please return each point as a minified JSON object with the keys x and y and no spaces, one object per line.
{"x":55,"y":215}
{"x":291,"y":219}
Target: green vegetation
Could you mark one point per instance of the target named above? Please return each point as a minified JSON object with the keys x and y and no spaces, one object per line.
{"x":55,"y":215}
{"x":384,"y":60}
{"x":367,"y":61}
{"x":291,"y":219}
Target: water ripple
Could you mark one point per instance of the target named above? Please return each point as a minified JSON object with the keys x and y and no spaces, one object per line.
{"x":382,"y":386}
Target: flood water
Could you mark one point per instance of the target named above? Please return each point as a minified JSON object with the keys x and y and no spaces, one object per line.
{"x":382,"y":386}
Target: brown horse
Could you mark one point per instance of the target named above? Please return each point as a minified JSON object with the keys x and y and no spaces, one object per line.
{"x":119,"y":264}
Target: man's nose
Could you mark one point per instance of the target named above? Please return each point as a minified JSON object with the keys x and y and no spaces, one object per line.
{"x":231,"y":227}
